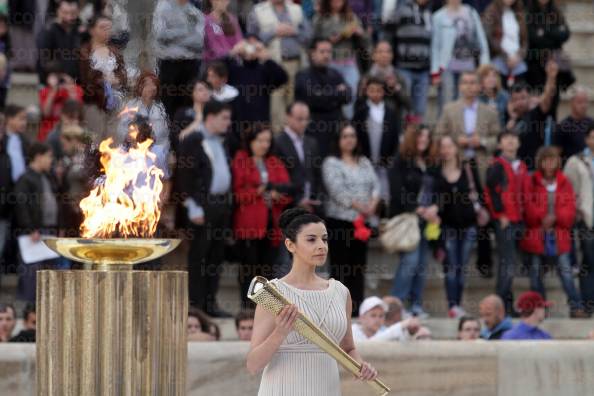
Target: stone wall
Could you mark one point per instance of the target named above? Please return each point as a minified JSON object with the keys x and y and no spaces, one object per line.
{"x":431,"y":368}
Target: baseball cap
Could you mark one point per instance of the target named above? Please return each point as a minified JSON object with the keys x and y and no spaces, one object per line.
{"x":371,"y":302}
{"x":530,"y":300}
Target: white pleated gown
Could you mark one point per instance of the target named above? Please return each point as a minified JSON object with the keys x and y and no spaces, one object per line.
{"x":300,"y":368}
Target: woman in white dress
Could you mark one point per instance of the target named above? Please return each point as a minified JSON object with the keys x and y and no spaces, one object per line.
{"x":293,"y":366}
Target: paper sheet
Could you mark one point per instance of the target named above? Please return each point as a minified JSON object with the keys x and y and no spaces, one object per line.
{"x":34,"y":252}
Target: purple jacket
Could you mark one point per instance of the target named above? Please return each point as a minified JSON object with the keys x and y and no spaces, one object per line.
{"x":216,"y":44}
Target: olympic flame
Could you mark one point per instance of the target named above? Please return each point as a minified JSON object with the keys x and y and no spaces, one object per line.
{"x":125,"y":203}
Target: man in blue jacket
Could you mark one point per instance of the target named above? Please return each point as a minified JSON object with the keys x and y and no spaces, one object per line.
{"x":532,"y":309}
{"x":492,"y":313}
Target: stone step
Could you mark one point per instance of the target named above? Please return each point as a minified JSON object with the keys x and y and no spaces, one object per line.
{"x":447,"y":329}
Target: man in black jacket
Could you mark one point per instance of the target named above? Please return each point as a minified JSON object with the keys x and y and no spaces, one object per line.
{"x":325,"y":92}
{"x":13,"y":148}
{"x":36,"y":211}
{"x":300,"y":155}
{"x":378,"y":129}
{"x":60,"y":42}
{"x":204,"y":178}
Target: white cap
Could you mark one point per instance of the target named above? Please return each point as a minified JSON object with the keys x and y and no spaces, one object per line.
{"x":371,"y":302}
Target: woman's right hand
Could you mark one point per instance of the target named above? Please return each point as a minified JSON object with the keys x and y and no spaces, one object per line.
{"x":285,"y":320}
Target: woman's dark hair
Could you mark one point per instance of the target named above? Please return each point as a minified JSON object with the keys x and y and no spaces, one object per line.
{"x":335,"y":147}
{"x":465,"y":319}
{"x":251,"y":132}
{"x":292,"y":220}
{"x":226,"y":23}
{"x":326,"y":9}
{"x":95,"y":20}
{"x":206,"y":324}
{"x":37,"y":149}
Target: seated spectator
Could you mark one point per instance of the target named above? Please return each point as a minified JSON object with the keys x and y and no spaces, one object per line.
{"x":549,"y":214}
{"x":532,"y":309}
{"x":36,"y":212}
{"x":7,"y":321}
{"x":221,"y":30}
{"x":188,"y":119}
{"x":396,"y":87}
{"x":469,"y":328}
{"x":60,"y":88}
{"x":27,"y":334}
{"x":570,"y":134}
{"x":408,"y":28}
{"x":395,"y":311}
{"x":424,"y":334}
{"x":201,"y":328}
{"x":492,"y":93}
{"x":372,"y":313}
{"x":217,"y":75}
{"x":244,"y":324}
{"x":492,"y":313}
{"x":505,"y":28}
{"x":579,"y":171}
{"x":70,"y":116}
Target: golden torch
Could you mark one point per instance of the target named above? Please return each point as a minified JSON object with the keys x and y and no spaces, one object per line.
{"x":267,"y":295}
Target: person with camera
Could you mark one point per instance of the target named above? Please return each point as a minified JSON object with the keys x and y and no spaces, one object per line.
{"x":255,"y":76}
{"x":60,"y":87}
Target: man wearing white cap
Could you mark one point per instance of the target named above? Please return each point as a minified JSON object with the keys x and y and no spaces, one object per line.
{"x":372,"y":314}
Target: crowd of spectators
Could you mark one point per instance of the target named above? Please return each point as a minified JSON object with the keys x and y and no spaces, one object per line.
{"x":261,"y":106}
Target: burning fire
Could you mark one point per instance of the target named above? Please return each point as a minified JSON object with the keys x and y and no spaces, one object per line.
{"x":126,"y":201}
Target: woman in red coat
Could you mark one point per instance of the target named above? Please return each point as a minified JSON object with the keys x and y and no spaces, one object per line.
{"x":549,"y":213}
{"x":260,"y":186}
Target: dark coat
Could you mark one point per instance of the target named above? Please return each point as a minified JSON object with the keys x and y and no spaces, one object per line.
{"x":28,"y":192}
{"x":390,"y":134}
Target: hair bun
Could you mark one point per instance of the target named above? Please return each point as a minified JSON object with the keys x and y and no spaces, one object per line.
{"x":289,"y":215}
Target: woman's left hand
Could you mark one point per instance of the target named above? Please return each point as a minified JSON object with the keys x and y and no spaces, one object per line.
{"x":367,"y":373}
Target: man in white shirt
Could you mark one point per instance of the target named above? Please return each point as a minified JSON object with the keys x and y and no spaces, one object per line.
{"x":372,"y":315}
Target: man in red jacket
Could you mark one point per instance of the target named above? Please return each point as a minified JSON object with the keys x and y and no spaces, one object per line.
{"x":503,"y":196}
{"x":549,"y":215}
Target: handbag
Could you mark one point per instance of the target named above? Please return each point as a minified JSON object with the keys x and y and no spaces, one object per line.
{"x":482,"y":215}
{"x":401,"y":233}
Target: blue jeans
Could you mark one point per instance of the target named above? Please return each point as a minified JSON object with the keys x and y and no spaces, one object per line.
{"x":409,"y":282}
{"x":351,"y":76}
{"x":459,"y":245}
{"x":448,"y":89}
{"x":417,"y":83}
{"x":507,"y":248}
{"x":587,"y":269}
{"x":565,"y":274}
